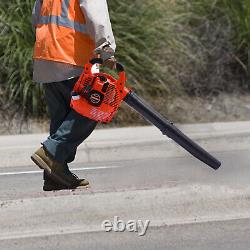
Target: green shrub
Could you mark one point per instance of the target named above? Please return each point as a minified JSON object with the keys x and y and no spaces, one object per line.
{"x":223,"y":66}
{"x":239,"y":14}
{"x":145,"y":33}
{"x":236,"y":18}
{"x":16,"y":46}
{"x":149,"y":39}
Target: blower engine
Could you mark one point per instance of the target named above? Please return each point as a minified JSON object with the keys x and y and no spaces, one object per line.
{"x":99,"y":95}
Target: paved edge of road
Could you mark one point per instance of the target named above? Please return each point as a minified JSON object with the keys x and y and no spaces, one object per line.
{"x":185,"y":204}
{"x":132,"y":143}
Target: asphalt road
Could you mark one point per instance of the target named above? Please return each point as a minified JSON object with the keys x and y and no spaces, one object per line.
{"x":26,"y":183}
{"x":230,"y":235}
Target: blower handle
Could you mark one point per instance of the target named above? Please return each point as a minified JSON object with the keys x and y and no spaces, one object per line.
{"x":120,"y":83}
{"x":118,"y":66}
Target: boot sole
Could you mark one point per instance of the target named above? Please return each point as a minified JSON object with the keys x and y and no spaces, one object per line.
{"x":53,"y":189}
{"x":42,"y":165}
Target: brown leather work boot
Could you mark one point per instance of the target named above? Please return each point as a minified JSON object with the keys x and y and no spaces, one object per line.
{"x":55,"y":170}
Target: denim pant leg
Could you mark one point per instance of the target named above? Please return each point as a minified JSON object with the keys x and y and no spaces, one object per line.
{"x":58,"y":100}
{"x":68,"y":129}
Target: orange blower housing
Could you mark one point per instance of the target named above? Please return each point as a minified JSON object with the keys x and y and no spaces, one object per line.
{"x":99,"y":95}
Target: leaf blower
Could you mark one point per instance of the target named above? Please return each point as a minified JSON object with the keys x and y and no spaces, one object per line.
{"x":99,"y":95}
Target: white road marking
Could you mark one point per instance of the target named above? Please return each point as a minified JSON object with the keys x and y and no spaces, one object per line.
{"x":73,"y":169}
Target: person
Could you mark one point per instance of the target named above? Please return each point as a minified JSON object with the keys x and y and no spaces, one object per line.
{"x":68,"y":34}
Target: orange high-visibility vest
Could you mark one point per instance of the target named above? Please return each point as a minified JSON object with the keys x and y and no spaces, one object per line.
{"x":61,"y":33}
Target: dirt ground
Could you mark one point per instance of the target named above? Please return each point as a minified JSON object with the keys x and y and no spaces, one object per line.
{"x":217,"y":109}
{"x":225,"y":107}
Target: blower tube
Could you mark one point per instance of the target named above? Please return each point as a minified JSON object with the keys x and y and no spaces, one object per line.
{"x":169,"y":129}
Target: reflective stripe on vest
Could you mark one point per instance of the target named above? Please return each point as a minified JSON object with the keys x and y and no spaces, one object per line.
{"x":63,"y":20}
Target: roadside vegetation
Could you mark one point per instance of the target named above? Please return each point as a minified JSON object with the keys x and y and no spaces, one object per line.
{"x":170,"y":48}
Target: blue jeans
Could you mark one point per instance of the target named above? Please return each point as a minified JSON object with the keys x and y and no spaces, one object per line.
{"x":68,"y":129}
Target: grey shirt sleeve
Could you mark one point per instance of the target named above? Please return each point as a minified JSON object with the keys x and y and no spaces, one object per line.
{"x":36,"y":13}
{"x":98,"y":21}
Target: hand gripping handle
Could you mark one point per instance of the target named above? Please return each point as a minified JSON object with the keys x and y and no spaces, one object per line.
{"x":120,"y":70}
{"x":119,"y":67}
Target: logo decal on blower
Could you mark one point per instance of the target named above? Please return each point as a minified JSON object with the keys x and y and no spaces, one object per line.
{"x":95,"y":98}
